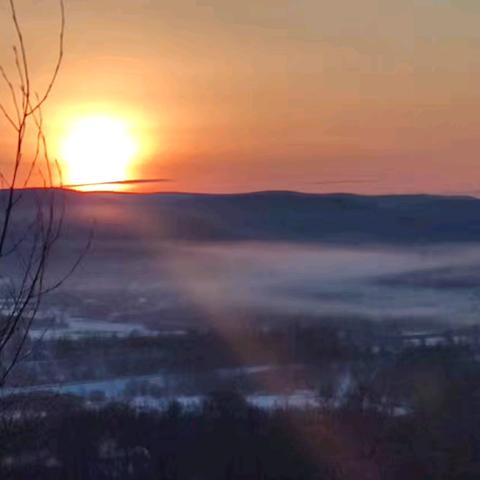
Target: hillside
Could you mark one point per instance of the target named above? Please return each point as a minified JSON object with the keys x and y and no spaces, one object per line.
{"x":274,"y":216}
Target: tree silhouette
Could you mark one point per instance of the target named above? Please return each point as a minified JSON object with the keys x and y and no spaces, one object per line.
{"x":30,"y":219}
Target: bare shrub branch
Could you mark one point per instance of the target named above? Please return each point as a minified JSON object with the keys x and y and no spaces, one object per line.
{"x":27,"y":239}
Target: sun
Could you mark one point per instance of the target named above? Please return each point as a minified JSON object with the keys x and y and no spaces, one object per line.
{"x":97,"y":150}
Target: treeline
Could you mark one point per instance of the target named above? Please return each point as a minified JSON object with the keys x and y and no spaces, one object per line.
{"x":419,"y":418}
{"x":195,"y":351}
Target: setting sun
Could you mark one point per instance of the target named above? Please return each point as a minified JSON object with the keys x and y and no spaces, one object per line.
{"x":97,"y":150}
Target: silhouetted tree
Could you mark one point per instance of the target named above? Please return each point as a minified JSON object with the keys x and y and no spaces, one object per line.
{"x":30,"y":220}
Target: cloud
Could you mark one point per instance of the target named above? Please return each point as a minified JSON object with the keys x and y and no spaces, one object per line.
{"x":342,"y":182}
{"x":135,"y":181}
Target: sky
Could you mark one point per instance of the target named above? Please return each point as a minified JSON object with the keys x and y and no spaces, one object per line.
{"x":371,"y":96}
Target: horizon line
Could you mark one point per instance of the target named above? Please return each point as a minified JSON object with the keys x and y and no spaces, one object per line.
{"x":73,"y":189}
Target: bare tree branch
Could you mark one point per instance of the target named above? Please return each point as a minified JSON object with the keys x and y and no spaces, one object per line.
{"x":29,"y":240}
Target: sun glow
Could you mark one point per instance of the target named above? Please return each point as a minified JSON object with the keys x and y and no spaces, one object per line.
{"x":97,"y":150}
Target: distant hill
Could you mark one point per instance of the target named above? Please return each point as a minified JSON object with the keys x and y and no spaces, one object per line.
{"x":272,"y":216}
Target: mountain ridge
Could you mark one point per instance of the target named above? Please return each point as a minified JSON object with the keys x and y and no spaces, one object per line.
{"x":243,"y":194}
{"x":275,"y":216}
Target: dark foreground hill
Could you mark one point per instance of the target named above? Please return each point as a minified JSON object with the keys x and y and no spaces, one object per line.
{"x":273,"y":216}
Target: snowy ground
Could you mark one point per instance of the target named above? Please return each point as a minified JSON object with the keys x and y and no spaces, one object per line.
{"x":120,"y":389}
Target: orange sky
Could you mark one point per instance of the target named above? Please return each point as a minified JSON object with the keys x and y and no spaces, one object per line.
{"x":364,"y":96}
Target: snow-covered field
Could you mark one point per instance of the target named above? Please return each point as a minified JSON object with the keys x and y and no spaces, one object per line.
{"x":76,"y":328}
{"x":159,"y":390}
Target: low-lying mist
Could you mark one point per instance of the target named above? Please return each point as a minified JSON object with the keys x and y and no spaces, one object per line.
{"x":169,"y":260}
{"x":177,"y":283}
